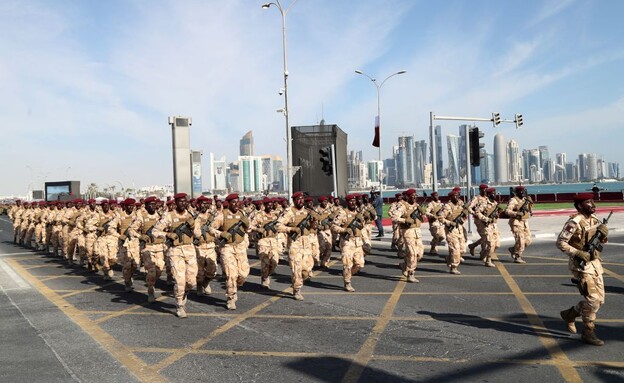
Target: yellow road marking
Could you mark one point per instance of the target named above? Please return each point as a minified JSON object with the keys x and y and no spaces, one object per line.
{"x":563,"y":364}
{"x":94,"y":288}
{"x":235,"y":321}
{"x":117,"y":349}
{"x":613,"y":275}
{"x":365,"y":353}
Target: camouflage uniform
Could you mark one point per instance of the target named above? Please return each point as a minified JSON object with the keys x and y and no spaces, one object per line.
{"x":436,"y":228}
{"x":325,"y":236}
{"x":299,"y":246}
{"x":486,"y":214}
{"x":576,"y":234}
{"x":455,"y":233}
{"x":233,"y":251}
{"x":206,"y":251}
{"x":182,"y":255}
{"x":151,"y":247}
{"x":519,"y":224}
{"x":349,"y":222}
{"x":264,"y":223}
{"x":106,"y":245}
{"x":128,"y":254}
{"x":409,"y":227}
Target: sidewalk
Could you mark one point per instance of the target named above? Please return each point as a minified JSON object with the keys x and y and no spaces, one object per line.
{"x":544,"y":224}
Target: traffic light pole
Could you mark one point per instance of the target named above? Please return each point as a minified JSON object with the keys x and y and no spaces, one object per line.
{"x":334,"y":173}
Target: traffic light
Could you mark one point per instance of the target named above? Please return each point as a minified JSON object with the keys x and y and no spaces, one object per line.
{"x":326,"y":159}
{"x":519,"y":121}
{"x":496,"y":119}
{"x":475,"y":146}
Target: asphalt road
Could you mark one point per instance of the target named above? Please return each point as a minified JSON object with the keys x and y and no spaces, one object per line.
{"x":60,"y":323}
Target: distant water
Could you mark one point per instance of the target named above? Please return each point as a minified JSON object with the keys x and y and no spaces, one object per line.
{"x":532,"y":189}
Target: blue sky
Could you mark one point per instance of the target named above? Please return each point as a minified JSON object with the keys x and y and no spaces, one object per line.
{"x":88,"y":85}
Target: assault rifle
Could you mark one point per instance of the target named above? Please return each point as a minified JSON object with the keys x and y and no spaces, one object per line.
{"x":417,"y":214}
{"x":270,"y":227}
{"x":526,"y":206}
{"x":595,"y":243}
{"x":149,"y":232}
{"x":180,"y":231}
{"x":105,"y":227}
{"x":232,"y":231}
{"x":325,"y":223}
{"x":495,"y":213}
{"x":353,"y":225}
{"x":302,"y":226}
{"x":459,"y":220}
{"x":206,"y":226}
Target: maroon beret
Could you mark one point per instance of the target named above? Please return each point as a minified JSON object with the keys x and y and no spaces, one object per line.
{"x":257,"y":202}
{"x":91,"y":200}
{"x":150,"y":199}
{"x":483,"y":186}
{"x":170,"y":202}
{"x":583,"y":197}
{"x":205,"y":199}
{"x":452,"y":193}
{"x":410,"y":191}
{"x":128,"y":201}
{"x":231,"y":197}
{"x":297,"y":194}
{"x":350,"y":197}
{"x":490,"y":190}
{"x":520,"y":187}
{"x":322,"y":198}
{"x":179,"y":195}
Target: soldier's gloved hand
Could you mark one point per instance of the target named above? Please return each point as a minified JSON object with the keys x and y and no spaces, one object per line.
{"x":487,"y":220}
{"x":603,"y":229}
{"x":349,"y":232}
{"x":452,"y":224}
{"x":122,"y":237}
{"x":225,"y":235}
{"x":172,"y":236}
{"x":409,"y":221}
{"x":245,"y":222}
{"x":100,"y":229}
{"x":584,"y":255}
{"x":190,"y":222}
{"x":145,"y":238}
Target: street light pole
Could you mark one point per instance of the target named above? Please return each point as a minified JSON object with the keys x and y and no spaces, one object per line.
{"x":378,"y":122}
{"x":283,"y":12}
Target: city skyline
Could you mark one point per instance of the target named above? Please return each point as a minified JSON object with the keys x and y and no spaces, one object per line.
{"x":88,"y":86}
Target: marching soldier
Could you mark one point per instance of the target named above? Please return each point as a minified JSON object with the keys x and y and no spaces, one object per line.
{"x":436,"y":228}
{"x":486,"y":214}
{"x":349,"y":223}
{"x":453,"y":216}
{"x":106,"y":245}
{"x":74,"y":232}
{"x":264,"y":223}
{"x":177,"y":227}
{"x":409,"y":217}
{"x":89,"y":227}
{"x":230,"y":228}
{"x":395,"y":227}
{"x":370,"y":215}
{"x":325,"y":236}
{"x":313,"y":232}
{"x":152,"y":248}
{"x":519,"y":211}
{"x":296,"y":221}
{"x":474,"y":204}
{"x":586,"y":266}
{"x":205,"y":245}
{"x":15,"y":215}
{"x":128,"y":254}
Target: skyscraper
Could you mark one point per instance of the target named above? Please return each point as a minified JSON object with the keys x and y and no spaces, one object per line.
{"x":438,"y":144}
{"x":592,"y":167}
{"x":405,"y":161}
{"x":500,"y":160}
{"x":420,"y":156}
{"x":247,"y":144}
{"x":560,"y":167}
{"x":453,"y":174}
{"x":515,"y":162}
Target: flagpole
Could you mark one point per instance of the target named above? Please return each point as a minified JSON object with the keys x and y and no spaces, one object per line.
{"x":377,"y":138}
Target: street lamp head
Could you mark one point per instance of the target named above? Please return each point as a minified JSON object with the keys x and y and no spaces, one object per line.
{"x":266,"y":5}
{"x":401,"y":72}
{"x":359,"y":71}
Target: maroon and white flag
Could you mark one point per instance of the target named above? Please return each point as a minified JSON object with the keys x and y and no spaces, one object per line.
{"x":376,"y":139}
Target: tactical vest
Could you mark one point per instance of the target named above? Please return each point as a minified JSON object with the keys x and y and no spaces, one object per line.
{"x":71,"y":222}
{"x":520,"y":202}
{"x":148,"y":223}
{"x":268,"y":218}
{"x":300,"y":215}
{"x":207,"y":218}
{"x":585,"y":230}
{"x":351,"y":215}
{"x":229,"y":220}
{"x":177,"y":222}
{"x":456,"y":211}
{"x":125,"y":220}
{"x":409,"y":210}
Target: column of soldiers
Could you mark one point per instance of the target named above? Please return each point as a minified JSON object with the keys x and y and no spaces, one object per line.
{"x":189,"y":240}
